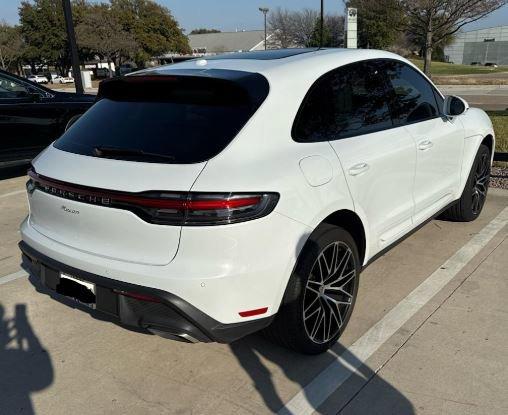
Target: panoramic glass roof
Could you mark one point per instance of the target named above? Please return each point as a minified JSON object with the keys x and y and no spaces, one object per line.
{"x":263,"y":54}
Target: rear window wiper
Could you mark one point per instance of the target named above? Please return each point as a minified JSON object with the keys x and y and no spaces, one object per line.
{"x":105,"y":151}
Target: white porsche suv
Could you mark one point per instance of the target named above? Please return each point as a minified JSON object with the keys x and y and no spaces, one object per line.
{"x":209,"y":199}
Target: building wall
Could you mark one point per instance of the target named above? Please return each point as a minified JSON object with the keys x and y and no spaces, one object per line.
{"x":484,"y":45}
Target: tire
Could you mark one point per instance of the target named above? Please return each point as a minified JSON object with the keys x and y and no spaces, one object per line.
{"x":311,"y":319}
{"x":470,"y":204}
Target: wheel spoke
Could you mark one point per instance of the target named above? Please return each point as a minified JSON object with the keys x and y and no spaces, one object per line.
{"x":342,"y":267}
{"x":335,"y":254}
{"x":332,"y":314}
{"x":336,"y":302}
{"x":311,"y":314}
{"x":317,"y":323}
{"x":321,"y":276}
{"x":328,"y":264}
{"x":310,"y":305}
{"x":326,"y":333}
{"x":475,"y":202}
{"x":348,"y":277}
{"x":337,"y":307}
{"x":313,"y":290}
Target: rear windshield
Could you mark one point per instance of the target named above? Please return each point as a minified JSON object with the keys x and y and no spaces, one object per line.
{"x":166,"y":119}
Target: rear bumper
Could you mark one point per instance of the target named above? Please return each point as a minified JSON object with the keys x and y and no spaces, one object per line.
{"x":171,"y":317}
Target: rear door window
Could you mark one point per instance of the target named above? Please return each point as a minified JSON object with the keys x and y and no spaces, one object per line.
{"x":165,"y":119}
{"x":10,"y":89}
{"x":346,"y":102}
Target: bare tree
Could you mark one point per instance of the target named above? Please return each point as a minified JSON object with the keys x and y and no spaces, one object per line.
{"x":281,"y":24}
{"x":300,"y":28}
{"x":437,"y":20}
{"x":304,"y":24}
{"x":11,"y":45}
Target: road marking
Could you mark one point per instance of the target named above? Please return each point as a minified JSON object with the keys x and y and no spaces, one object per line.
{"x":332,"y":377}
{"x":12,"y":277}
{"x":17,"y":192}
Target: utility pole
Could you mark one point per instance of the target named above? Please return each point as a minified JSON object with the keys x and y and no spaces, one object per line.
{"x":71,"y":37}
{"x":264,"y":10}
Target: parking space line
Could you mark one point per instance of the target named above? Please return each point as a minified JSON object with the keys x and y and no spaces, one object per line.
{"x":333,"y":376}
{"x":12,"y":277}
{"x":17,"y":192}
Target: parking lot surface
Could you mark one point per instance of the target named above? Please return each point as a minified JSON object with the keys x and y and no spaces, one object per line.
{"x":486,"y":97}
{"x":428,"y":336}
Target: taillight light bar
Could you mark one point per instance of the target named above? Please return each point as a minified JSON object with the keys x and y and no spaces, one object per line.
{"x":165,"y":208}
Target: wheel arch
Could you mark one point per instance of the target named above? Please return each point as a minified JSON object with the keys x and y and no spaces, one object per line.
{"x":352,"y":223}
{"x":488,"y":140}
{"x":471,"y":146}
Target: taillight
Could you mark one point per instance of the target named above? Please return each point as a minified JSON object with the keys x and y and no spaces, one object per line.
{"x":209,"y":209}
{"x":166,"y":208}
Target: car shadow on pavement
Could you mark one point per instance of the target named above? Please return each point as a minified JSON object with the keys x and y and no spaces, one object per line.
{"x":261,"y":359}
{"x":258,"y":356}
{"x":25,"y":366}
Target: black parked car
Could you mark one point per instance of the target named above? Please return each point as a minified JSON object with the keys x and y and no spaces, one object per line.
{"x":32,"y":116}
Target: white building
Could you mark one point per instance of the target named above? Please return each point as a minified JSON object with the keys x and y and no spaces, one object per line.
{"x":483,"y":46}
{"x":242,"y":41}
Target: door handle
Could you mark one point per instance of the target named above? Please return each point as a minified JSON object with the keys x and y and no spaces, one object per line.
{"x":425,"y":145}
{"x":358,"y":169}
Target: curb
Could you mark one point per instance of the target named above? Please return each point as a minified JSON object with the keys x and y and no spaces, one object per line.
{"x":474,"y":87}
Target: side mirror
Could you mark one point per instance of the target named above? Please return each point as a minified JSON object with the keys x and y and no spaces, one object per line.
{"x":454,"y":106}
{"x":72,"y":120}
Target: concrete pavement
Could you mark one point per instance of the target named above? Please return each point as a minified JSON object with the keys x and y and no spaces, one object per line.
{"x":449,"y":357}
{"x":487,"y":97}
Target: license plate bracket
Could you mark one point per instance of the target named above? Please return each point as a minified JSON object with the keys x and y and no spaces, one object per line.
{"x":83,"y":292}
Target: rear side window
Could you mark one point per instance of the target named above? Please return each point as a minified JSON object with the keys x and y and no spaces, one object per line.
{"x":413,"y":96}
{"x":10,"y":89}
{"x":346,"y":102}
{"x":165,"y":119}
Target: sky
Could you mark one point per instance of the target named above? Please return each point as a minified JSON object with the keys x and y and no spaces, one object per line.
{"x":231,"y":15}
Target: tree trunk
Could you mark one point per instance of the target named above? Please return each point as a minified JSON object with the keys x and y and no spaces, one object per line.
{"x":428,"y":48}
{"x":2,"y":59}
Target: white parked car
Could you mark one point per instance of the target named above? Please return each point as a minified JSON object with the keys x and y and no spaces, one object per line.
{"x":40,"y":79}
{"x":58,"y":79}
{"x":213,"y":198}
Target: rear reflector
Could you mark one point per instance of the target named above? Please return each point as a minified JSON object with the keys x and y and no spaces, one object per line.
{"x":137,"y":296}
{"x":165,"y":208}
{"x":256,"y":312}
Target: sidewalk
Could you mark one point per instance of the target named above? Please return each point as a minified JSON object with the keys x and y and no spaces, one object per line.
{"x":456,"y":362}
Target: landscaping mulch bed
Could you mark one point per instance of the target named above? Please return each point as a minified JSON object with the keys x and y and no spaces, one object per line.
{"x":499,"y":177}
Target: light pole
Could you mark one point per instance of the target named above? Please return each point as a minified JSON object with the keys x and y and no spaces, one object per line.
{"x":321,"y":23}
{"x":71,"y":37}
{"x":264,"y":10}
